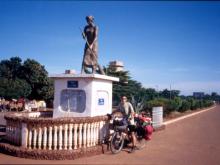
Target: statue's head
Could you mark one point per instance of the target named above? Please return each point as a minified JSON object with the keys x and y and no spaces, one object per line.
{"x":90,"y":19}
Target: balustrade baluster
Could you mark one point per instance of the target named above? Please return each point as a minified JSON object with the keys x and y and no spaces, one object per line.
{"x":80,"y":135}
{"x":84,"y":134}
{"x":30,"y":138}
{"x":39,"y":137}
{"x":45,"y":138}
{"x":55,"y":138}
{"x":75,"y":136}
{"x":65,"y":136}
{"x":70,"y":136}
{"x":101,"y":131}
{"x":92,"y":134}
{"x":60,"y":137}
{"x":50,"y":138}
{"x":34,"y":138}
{"x":24,"y":135}
{"x":88,"y":135}
{"x":97,"y":133}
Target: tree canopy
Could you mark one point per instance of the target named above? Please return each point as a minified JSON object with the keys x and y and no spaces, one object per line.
{"x":28,"y":79}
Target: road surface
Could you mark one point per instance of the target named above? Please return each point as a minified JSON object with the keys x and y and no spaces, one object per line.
{"x":192,"y":141}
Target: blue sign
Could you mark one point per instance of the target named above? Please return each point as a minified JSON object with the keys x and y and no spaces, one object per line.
{"x":101,"y":101}
{"x":72,"y":84}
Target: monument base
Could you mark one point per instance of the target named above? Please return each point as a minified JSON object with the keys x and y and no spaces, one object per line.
{"x":50,"y":154}
{"x":83,"y":95}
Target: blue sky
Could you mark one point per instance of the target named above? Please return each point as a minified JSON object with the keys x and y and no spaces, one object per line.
{"x":160,"y":43}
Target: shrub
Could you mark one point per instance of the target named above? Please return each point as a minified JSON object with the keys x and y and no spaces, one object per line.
{"x":186,"y":105}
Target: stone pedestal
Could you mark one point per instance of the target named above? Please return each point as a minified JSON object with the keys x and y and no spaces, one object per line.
{"x":84,"y":95}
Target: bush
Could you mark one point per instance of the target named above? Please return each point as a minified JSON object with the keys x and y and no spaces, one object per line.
{"x":168,"y":105}
{"x":186,"y":105}
{"x":207,"y":103}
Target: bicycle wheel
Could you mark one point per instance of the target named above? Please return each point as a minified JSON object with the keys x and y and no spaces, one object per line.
{"x":117,"y":143}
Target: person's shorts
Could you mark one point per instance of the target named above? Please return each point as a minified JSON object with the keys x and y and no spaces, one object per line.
{"x":131,"y":128}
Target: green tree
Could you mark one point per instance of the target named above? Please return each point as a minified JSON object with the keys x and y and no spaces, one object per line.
{"x":11,"y":84}
{"x":37,"y":77}
{"x":14,"y":88}
{"x":28,"y":79}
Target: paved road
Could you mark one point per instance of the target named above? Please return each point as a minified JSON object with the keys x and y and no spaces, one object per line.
{"x":192,"y":141}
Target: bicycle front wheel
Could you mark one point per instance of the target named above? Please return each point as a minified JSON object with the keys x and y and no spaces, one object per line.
{"x":117,"y":142}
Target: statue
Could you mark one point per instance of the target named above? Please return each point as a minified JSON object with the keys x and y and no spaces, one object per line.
{"x":90,"y":58}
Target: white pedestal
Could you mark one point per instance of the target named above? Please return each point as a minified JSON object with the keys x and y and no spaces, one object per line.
{"x":84,"y":95}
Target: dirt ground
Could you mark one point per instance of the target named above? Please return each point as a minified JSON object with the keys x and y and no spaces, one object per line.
{"x":195,"y":140}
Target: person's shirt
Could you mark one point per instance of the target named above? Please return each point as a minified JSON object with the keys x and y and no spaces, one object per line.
{"x":126,"y":109}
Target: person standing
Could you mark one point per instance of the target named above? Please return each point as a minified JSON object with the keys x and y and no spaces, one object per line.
{"x":127,"y":111}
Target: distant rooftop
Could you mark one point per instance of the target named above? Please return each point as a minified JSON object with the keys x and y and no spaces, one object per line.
{"x":117,"y":65}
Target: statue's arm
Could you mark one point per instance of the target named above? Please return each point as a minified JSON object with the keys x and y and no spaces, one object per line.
{"x":95,"y":36}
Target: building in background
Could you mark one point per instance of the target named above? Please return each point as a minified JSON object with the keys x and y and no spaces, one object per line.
{"x":116,"y":65}
{"x":198,"y":95}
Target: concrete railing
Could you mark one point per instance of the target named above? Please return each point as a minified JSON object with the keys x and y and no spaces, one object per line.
{"x":34,"y":132}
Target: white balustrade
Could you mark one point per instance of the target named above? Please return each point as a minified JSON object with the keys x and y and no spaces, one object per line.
{"x":64,"y":136}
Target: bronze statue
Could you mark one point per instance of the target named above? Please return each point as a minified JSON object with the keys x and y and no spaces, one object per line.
{"x":90,"y":58}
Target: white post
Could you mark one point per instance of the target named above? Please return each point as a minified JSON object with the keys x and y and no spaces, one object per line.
{"x":70,"y":136}
{"x":50,"y":138}
{"x":35,"y":138}
{"x":55,"y":138}
{"x":88,"y":135}
{"x":157,"y":116}
{"x":60,"y":137}
{"x":65,"y":136}
{"x":45,"y":138}
{"x":75,"y":136}
{"x":80,"y":135}
{"x":84,"y":135}
{"x":24,"y":134}
{"x":39,"y":137}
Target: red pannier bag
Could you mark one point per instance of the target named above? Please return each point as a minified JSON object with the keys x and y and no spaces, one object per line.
{"x":148,"y":132}
{"x":148,"y":129}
